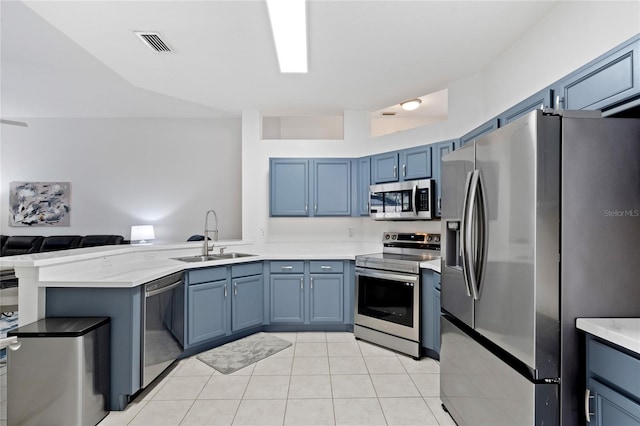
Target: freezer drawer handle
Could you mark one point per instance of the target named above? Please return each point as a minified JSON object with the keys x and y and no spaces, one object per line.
{"x":587,"y":402}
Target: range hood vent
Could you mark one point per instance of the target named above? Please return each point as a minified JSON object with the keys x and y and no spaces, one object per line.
{"x":154,"y":41}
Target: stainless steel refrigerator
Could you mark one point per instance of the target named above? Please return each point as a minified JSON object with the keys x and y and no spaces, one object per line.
{"x":542,"y":225}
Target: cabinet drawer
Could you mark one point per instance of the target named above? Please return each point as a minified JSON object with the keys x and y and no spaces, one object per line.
{"x":246,"y":269}
{"x":327,"y":266}
{"x":280,"y":267}
{"x":614,"y":367}
{"x":197,"y":276}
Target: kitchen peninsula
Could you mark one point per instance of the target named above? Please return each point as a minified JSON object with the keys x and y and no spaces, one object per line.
{"x":74,"y":282}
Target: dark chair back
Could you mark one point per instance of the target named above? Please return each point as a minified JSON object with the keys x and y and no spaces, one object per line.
{"x":60,"y":242}
{"x":21,"y":244}
{"x":100,"y":240}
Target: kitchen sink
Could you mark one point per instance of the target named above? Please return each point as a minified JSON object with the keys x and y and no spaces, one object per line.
{"x":207,"y":258}
{"x":230,"y":255}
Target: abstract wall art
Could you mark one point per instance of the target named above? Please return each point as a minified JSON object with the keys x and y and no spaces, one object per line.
{"x":39,"y":203}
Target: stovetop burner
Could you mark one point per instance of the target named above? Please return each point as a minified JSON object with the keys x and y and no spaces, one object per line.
{"x":403,"y":252}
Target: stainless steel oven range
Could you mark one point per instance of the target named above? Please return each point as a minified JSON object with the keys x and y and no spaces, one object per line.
{"x":387,"y":310}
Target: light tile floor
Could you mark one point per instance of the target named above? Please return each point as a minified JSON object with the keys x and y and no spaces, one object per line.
{"x":322,"y":379}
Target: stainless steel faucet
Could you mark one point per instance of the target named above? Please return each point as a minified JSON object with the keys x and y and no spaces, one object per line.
{"x":205,"y":247}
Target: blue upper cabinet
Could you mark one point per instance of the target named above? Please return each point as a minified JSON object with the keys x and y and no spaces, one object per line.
{"x":415,"y":163}
{"x":310,"y":187}
{"x":363,"y":180}
{"x":384,"y":167}
{"x":408,"y":164}
{"x":331,"y":187}
{"x":540,"y":100}
{"x":439,"y":150}
{"x":289,"y":186}
{"x":482,"y":130}
{"x":603,"y":83}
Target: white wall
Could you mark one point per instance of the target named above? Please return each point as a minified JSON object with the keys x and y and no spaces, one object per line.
{"x":573,"y":33}
{"x":161,"y":171}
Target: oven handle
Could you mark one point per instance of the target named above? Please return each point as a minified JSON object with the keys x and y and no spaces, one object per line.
{"x":386,"y":275}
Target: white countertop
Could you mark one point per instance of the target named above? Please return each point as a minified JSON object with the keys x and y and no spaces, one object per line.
{"x":130,"y":266}
{"x":624,"y":332}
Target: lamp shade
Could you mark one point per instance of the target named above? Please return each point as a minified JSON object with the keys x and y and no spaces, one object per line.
{"x":142,"y":233}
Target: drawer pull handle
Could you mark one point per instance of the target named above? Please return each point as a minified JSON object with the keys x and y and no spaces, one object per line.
{"x":225,"y":291}
{"x":287,"y":268}
{"x":587,"y":400}
{"x":235,"y":289}
{"x":301,"y":283}
{"x":311,"y":283}
{"x":325,"y":267}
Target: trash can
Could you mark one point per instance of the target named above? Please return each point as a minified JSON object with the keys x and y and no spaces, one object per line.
{"x":60,"y":373}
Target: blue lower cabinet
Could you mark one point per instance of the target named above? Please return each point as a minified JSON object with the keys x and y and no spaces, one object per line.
{"x":613,"y":384}
{"x":231,"y":301}
{"x":612,"y":407}
{"x":326,"y":298}
{"x":246,"y":307}
{"x":207,"y":311}
{"x":286,"y":298}
{"x":310,"y":292}
{"x":430,"y":315}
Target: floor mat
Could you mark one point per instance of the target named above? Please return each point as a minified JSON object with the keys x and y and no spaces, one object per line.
{"x":236,"y":355}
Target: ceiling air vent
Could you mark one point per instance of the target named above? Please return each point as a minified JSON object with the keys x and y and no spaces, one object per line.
{"x":154,"y":41}
{"x":388,"y":113}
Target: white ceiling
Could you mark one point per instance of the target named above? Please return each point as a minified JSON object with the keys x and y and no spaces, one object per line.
{"x":82,"y":58}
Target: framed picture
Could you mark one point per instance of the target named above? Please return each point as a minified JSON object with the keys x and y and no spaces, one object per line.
{"x":39,"y":203}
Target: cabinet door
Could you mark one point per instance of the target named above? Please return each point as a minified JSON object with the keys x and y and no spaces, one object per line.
{"x":605,"y":82}
{"x":612,"y":408}
{"x":246,"y":306}
{"x":436,"y":313}
{"x":384,"y":167}
{"x":289,"y":187}
{"x":540,"y":100}
{"x":207,"y":312}
{"x":426,"y":294}
{"x":286,"y":298}
{"x":364,"y":181}
{"x":415,"y":163}
{"x":331,"y":187}
{"x":439,"y":150}
{"x":482,"y":130}
{"x":326,"y":298}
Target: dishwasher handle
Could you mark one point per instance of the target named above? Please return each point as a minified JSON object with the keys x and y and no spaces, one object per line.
{"x":155,"y":290}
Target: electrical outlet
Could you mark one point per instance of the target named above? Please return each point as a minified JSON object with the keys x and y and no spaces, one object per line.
{"x":351,"y":233}
{"x":261,"y":232}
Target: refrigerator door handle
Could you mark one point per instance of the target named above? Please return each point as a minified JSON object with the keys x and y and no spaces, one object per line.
{"x":465,"y":235}
{"x":482,"y":235}
{"x":475,"y":250}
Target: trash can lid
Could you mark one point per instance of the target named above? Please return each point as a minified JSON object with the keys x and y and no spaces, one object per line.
{"x":59,"y":327}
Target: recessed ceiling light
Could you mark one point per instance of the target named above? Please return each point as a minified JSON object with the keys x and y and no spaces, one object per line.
{"x":289,"y":27}
{"x":411,"y":104}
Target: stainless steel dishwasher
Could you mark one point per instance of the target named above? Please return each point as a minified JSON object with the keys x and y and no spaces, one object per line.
{"x":163,"y":325}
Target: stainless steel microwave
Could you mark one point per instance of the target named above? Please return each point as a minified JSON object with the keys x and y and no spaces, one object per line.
{"x":410,"y":200}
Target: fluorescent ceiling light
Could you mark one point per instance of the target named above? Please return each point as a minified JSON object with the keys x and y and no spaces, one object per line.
{"x":289,"y":26}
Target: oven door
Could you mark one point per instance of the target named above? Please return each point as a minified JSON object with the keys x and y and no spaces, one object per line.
{"x":388,"y":302}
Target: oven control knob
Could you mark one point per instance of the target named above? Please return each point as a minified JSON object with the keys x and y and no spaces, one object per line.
{"x":387,"y":236}
{"x":430,"y":238}
{"x":437,"y":238}
{"x":394,"y":236}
